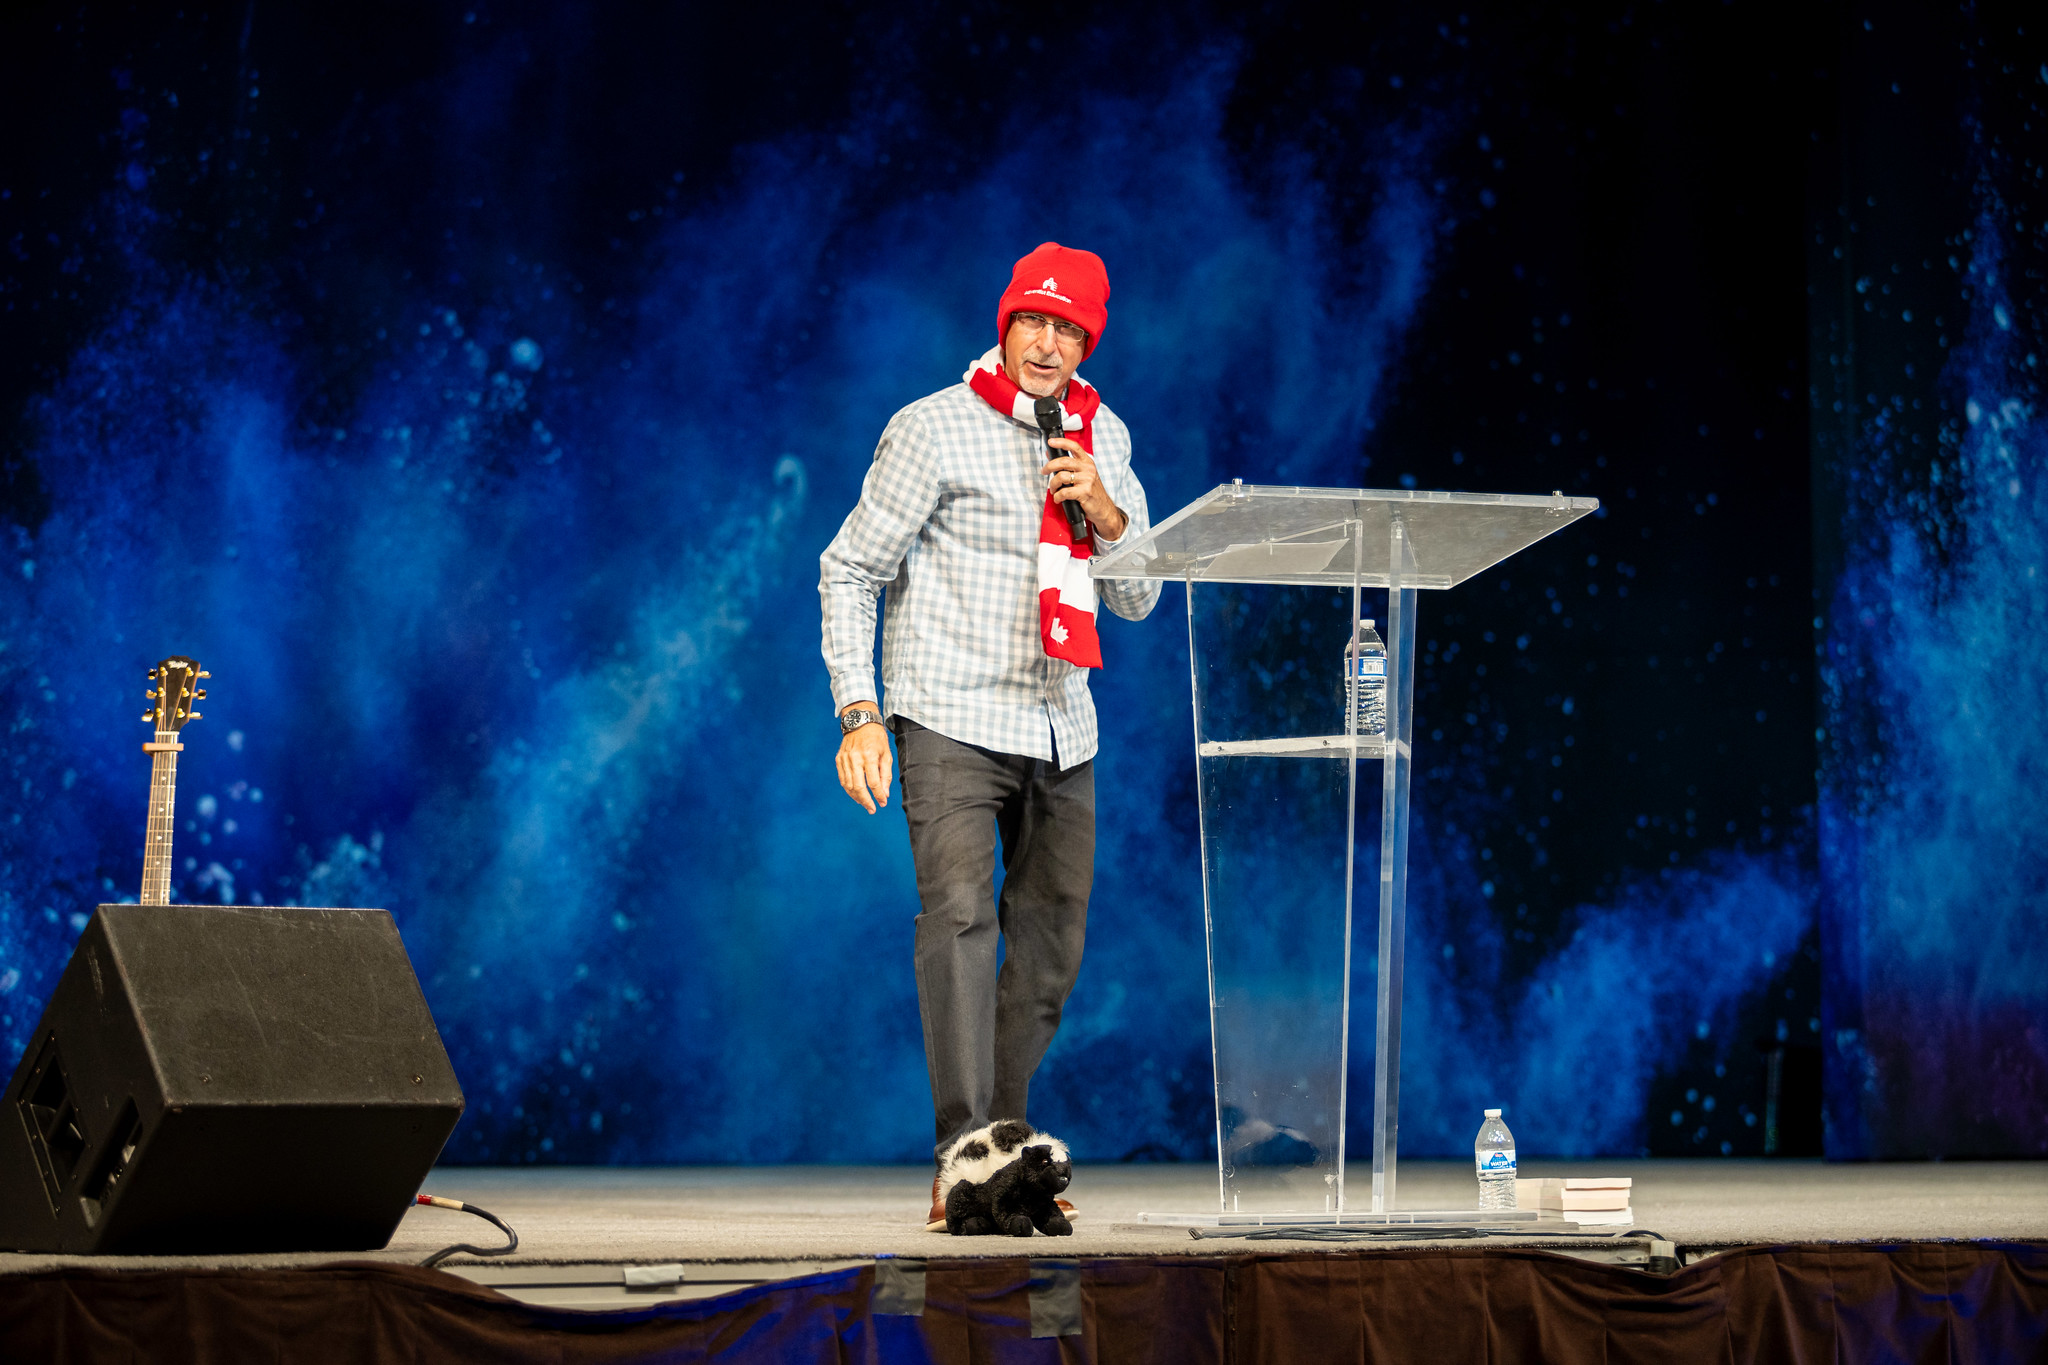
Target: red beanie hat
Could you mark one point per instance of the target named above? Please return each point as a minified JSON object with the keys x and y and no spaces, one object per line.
{"x":1060,"y":282}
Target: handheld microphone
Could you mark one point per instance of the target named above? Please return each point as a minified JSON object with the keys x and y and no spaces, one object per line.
{"x":1052,"y":422}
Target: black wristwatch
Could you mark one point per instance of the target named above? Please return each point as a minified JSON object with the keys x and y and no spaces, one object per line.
{"x":854,"y":719}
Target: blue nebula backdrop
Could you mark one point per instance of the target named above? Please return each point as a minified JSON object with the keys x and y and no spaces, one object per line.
{"x":1930,"y":336}
{"x":473,"y":389}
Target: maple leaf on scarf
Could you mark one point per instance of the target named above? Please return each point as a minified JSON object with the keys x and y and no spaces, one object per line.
{"x":1059,"y":631}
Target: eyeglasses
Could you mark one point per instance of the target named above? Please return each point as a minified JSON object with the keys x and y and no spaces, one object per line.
{"x":1038,"y":322}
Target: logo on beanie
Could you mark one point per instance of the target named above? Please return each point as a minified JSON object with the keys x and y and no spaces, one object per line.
{"x":1051,"y":289}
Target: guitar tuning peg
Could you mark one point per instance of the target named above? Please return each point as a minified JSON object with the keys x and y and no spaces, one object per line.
{"x":199,"y":694}
{"x":195,"y":716}
{"x":146,"y":715}
{"x":151,"y":694}
{"x":204,"y":674}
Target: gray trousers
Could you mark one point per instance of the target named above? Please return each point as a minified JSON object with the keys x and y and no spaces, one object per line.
{"x":985,"y":1032}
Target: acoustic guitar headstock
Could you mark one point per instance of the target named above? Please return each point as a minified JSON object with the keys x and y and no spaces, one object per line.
{"x":176,"y":687}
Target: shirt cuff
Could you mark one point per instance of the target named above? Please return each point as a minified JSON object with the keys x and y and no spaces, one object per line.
{"x":852,"y":687}
{"x":1105,"y":546}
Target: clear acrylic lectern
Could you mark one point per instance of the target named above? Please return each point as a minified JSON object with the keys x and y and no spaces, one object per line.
{"x":1295,"y":804}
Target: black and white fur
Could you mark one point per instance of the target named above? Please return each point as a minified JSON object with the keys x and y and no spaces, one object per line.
{"x":1004,"y":1179}
{"x":980,"y":1153}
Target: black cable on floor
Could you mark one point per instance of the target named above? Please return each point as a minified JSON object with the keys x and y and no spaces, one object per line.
{"x":434,"y":1201}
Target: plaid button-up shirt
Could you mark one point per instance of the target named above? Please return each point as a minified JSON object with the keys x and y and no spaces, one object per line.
{"x":948,"y":523}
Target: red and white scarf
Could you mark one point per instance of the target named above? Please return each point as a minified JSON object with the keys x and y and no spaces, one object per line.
{"x":1066,"y":594}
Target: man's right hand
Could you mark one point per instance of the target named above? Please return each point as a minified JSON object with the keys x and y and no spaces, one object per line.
{"x":865,"y":762}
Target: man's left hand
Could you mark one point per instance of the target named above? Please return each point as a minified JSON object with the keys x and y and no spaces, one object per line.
{"x":1074,"y":480}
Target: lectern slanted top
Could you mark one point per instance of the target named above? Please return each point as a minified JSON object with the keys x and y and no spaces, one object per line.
{"x":1283,"y":574}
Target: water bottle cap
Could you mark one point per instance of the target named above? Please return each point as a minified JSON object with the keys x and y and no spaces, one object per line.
{"x":1365,"y":621}
{"x":1493,"y":1113}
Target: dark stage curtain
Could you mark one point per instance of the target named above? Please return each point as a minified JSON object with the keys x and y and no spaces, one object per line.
{"x":1933,"y":1302}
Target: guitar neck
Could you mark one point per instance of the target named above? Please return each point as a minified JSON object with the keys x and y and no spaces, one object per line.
{"x":163,"y":808}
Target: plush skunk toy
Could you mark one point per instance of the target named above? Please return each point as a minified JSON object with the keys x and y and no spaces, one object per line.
{"x":1005,"y":1178}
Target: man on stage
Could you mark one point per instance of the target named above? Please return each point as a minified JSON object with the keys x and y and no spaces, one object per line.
{"x":986,"y":647}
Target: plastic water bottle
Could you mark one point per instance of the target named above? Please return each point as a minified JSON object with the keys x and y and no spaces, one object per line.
{"x":1365,"y":680}
{"x":1493,"y":1151}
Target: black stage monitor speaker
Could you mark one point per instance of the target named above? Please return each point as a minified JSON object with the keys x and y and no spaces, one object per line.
{"x":225,"y":1078}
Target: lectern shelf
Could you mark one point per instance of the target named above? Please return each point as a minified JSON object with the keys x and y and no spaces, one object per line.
{"x":1282,"y":575}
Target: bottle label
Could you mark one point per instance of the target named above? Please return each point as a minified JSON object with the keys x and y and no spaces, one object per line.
{"x":1372,"y":666}
{"x":1497,"y":1163}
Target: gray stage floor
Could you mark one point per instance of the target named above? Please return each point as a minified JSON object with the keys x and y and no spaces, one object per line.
{"x":817,"y":1215}
{"x":761,"y":1213}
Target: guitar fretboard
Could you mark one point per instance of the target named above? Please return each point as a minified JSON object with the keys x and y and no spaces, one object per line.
{"x":163,"y":791}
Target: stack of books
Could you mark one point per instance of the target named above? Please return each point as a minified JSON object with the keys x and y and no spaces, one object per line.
{"x":1581,"y":1198}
